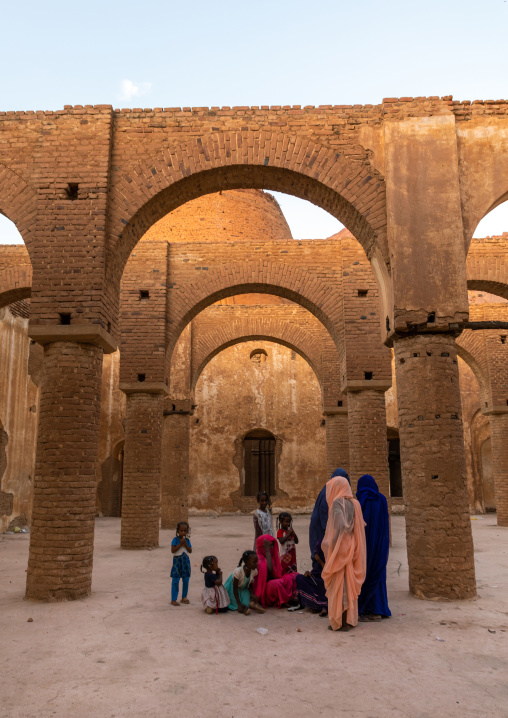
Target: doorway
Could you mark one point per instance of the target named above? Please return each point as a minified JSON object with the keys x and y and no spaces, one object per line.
{"x":259,"y":462}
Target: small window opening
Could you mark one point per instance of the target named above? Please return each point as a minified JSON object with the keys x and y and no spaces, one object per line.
{"x":503,"y":338}
{"x":144,"y":294}
{"x":173,"y":407}
{"x":259,"y":462}
{"x":368,"y":375}
{"x":65,"y":318}
{"x":432,"y":317}
{"x":258,"y":356}
{"x":363,"y":292}
{"x":141,"y":377}
{"x":387,"y":324}
{"x":72,"y":190}
{"x":339,"y":403}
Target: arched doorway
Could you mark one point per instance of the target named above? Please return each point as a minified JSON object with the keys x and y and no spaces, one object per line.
{"x":259,"y":462}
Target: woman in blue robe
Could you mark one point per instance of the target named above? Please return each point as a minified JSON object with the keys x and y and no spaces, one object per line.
{"x":319,"y":517}
{"x":373,"y":599}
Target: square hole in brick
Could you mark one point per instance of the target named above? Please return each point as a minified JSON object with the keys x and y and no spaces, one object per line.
{"x":363,"y":292}
{"x":368,"y":375}
{"x":141,"y":377}
{"x":503,"y":338}
{"x":144,"y":294}
{"x":339,"y":403}
{"x":72,"y":190}
{"x":65,"y":318}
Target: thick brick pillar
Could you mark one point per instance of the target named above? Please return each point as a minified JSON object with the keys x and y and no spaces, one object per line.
{"x":61,"y":539}
{"x":337,"y":440}
{"x":499,"y":441}
{"x":141,"y":492}
{"x":438,"y":527}
{"x":368,"y":444}
{"x":175,"y":468}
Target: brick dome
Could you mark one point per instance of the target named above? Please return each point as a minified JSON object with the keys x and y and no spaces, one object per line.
{"x":232,"y":215}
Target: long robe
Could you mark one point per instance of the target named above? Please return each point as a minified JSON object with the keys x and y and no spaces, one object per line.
{"x":345,"y":553}
{"x":319,"y":517}
{"x":373,"y":598}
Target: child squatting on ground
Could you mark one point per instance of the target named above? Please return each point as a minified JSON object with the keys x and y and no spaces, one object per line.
{"x":214,"y":596}
{"x":180,"y":548}
{"x":239,"y":585}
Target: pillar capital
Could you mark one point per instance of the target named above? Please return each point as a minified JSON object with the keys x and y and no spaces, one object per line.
{"x":79,"y":333}
{"x":144,"y":387}
{"x":332,"y":410}
{"x":366,"y":385}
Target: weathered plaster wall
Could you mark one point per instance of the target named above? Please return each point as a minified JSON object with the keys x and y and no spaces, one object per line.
{"x":19,"y":401}
{"x":235,"y":395}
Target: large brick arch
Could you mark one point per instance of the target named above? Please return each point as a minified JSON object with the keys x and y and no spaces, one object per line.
{"x":278,"y":278}
{"x":487,"y":265}
{"x":470,"y":349}
{"x":313,"y":344}
{"x":18,"y":202}
{"x":351,"y":190}
{"x":15,"y":284}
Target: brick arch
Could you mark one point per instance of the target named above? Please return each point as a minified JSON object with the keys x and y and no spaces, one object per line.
{"x":278,"y":278}
{"x":487,"y":265}
{"x":15,"y":284}
{"x":469,"y":349}
{"x":18,"y":202}
{"x":311,"y":360}
{"x":313,"y":344}
{"x":349,"y":189}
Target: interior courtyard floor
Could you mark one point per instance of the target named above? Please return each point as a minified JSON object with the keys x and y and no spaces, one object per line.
{"x":125,"y":651}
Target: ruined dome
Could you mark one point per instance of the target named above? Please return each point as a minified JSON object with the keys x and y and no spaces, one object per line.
{"x":231,"y":215}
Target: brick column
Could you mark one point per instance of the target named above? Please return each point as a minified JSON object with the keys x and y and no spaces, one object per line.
{"x":141,"y":493}
{"x":499,"y":440}
{"x":438,"y":527}
{"x":175,"y":465}
{"x":62,"y":533}
{"x":337,"y":440}
{"x":368,"y":444}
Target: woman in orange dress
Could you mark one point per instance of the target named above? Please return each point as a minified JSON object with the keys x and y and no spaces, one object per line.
{"x":345,"y":552}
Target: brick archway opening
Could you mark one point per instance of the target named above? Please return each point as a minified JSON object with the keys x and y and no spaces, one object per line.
{"x":249,"y":338}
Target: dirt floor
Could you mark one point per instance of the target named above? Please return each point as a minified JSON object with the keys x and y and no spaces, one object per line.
{"x":126,"y":652}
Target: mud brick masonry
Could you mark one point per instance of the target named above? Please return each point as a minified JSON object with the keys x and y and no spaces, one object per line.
{"x":410,"y":179}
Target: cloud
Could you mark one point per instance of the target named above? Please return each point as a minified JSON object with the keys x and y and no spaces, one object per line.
{"x":129,"y":89}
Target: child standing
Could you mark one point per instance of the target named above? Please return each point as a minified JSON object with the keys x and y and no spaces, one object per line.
{"x":288,"y":540}
{"x":263,"y":517}
{"x":180,"y":548}
{"x":239,"y":585}
{"x":215,"y":597}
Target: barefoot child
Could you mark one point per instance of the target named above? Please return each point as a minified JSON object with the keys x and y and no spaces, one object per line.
{"x":239,"y":585}
{"x":263,"y":517}
{"x":180,"y":548}
{"x":288,"y":540}
{"x":215,"y":597}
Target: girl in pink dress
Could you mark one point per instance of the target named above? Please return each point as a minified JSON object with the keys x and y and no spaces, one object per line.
{"x":271,"y":587}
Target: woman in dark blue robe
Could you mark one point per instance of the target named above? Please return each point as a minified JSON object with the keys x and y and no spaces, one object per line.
{"x":319,"y":517}
{"x":373,"y":599}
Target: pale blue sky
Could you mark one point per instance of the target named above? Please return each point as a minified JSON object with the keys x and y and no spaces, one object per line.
{"x":162,"y":54}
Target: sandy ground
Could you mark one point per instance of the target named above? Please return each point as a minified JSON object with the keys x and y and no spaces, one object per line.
{"x":126,"y":652}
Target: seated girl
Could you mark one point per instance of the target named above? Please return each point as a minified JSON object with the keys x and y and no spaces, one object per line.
{"x":239,"y":585}
{"x":272,"y":587}
{"x":310,"y":587}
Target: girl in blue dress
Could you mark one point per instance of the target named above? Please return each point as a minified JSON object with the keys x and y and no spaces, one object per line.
{"x":180,"y":548}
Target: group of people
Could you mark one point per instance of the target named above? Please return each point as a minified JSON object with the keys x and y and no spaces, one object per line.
{"x":349,"y":541}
